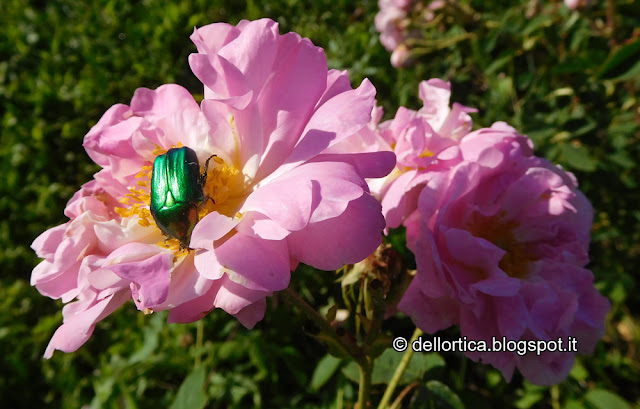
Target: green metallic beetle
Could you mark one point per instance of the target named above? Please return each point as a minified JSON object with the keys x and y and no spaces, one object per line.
{"x":177,"y":192}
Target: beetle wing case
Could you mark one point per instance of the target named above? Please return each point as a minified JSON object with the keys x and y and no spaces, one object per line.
{"x":176,"y":192}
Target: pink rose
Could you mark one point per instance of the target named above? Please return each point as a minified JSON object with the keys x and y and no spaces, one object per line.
{"x":424,"y":141}
{"x":280,"y":195}
{"x":501,"y":242}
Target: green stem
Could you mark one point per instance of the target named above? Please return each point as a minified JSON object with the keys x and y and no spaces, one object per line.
{"x":199,"y":336}
{"x":364,"y":390}
{"x":352,"y":350}
{"x":406,"y":358}
{"x":375,"y":310}
{"x":555,"y":397}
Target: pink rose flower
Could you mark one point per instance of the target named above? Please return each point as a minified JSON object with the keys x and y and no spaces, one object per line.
{"x":424,"y":141}
{"x":390,"y":22}
{"x":399,"y":21}
{"x":280,"y":195}
{"x":501,"y":242}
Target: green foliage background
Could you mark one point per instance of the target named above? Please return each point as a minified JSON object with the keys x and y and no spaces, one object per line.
{"x":569,"y":80}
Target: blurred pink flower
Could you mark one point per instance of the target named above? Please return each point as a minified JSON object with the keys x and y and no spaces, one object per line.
{"x":272,"y":113}
{"x":424,"y":141}
{"x":501,"y":242}
{"x":390,"y":22}
{"x":401,"y":20}
{"x":400,"y":56}
{"x":577,"y":4}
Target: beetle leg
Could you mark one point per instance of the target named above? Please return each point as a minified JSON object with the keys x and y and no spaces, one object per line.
{"x":205,"y":201}
{"x":206,"y":170}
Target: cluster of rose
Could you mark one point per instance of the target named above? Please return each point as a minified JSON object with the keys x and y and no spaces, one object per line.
{"x":305,"y":172}
{"x":401,"y":23}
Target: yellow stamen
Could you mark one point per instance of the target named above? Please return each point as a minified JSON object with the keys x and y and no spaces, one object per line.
{"x":225,"y":192}
{"x":225,"y":188}
{"x":499,"y":231}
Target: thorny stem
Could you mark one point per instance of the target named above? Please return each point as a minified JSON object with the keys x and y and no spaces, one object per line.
{"x":406,"y":358}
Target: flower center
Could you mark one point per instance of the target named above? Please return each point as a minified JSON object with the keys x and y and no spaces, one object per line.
{"x":426,"y":154}
{"x":226,"y":187}
{"x":518,"y":256}
{"x":224,"y":192}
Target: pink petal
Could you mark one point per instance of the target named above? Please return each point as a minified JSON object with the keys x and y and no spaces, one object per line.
{"x":367,"y":164}
{"x":211,"y":38}
{"x":401,"y":197}
{"x":289,"y":97}
{"x":435,"y":94}
{"x":77,"y":329}
{"x":212,"y":227}
{"x":354,"y":235}
{"x":258,"y":225}
{"x":196,"y":308}
{"x":151,"y":275}
{"x":430,"y":315}
{"x":253,"y":51}
{"x":114,"y":115}
{"x":206,"y":262}
{"x":45,"y":245}
{"x":340,"y":117}
{"x":225,"y":294}
{"x":265,"y":267}
{"x":251,"y":314}
{"x":337,"y":83}
{"x":54,"y":282}
{"x":186,"y":284}
{"x":286,"y":201}
{"x":223,"y":81}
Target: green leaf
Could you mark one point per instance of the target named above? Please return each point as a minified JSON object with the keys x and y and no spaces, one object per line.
{"x":628,"y":52}
{"x":327,"y":366}
{"x":351,"y":372}
{"x":630,"y":74}
{"x":579,"y":372}
{"x":622,"y":159}
{"x":577,"y":157}
{"x":435,"y":395}
{"x":537,"y":23}
{"x":529,"y":399}
{"x":444,"y":394}
{"x":498,"y":64}
{"x":333,"y":347}
{"x":385,"y":366}
{"x":379,"y":345}
{"x":191,"y":393}
{"x":151,"y":340}
{"x":573,"y":404}
{"x":603,"y":399}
